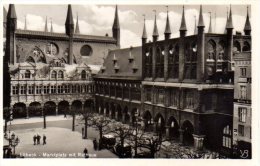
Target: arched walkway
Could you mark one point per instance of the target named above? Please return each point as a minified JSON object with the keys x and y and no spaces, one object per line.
{"x":106,"y":110}
{"x":63,"y":107}
{"x":35,"y":109}
{"x":50,"y":108}
{"x":188,"y":130}
{"x":159,"y":124}
{"x":19,"y":110}
{"x":89,"y":105}
{"x":126,"y":115}
{"x":173,"y":128}
{"x":76,"y":106}
{"x":113,"y":110}
{"x":148,"y":121}
{"x":119,"y":113}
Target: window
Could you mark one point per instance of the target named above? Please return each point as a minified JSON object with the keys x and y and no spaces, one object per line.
{"x":23,"y":89}
{"x":73,"y":88}
{"x":160,"y":98}
{"x":54,"y":74}
{"x":83,"y":75}
{"x":242,"y":72}
{"x":240,"y":130}
{"x":38,"y":89}
{"x":27,"y":74}
{"x":86,"y":50}
{"x":45,"y":89}
{"x":242,"y":92}
{"x":15,"y":90}
{"x":242,"y":114}
{"x":60,"y":74}
{"x":226,"y":142}
{"x":53,"y":89}
{"x":31,"y":89}
{"x":66,"y":89}
{"x":60,"y":90}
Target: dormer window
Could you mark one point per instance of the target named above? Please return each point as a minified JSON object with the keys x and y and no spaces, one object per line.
{"x":27,"y":74}
{"x":131,"y":57}
{"x":116,"y":67}
{"x":103,"y":68}
{"x":114,"y":59}
{"x":134,"y":68}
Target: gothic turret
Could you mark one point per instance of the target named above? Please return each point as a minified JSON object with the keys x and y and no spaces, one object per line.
{"x":210,"y":26}
{"x":155,"y":30}
{"x":25,"y":23}
{"x":77,"y":25}
{"x":183,"y":31}
{"x":167,"y":32}
{"x":51,"y":27}
{"x":247,"y":28}
{"x":144,"y":36}
{"x":183,"y":27}
{"x":200,"y":48}
{"x":46,"y":25}
{"x":229,"y":30}
{"x":116,"y":28}
{"x":69,"y":24}
{"x":10,"y":35}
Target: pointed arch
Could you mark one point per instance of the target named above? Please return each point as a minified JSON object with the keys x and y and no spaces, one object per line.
{"x":246,"y":47}
{"x":236,"y":47}
{"x":30,"y":60}
{"x":211,"y":51}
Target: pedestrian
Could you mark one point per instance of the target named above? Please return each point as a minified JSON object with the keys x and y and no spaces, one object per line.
{"x":9,"y":152}
{"x":39,"y":139}
{"x":95,"y":144}
{"x":82,"y":132}
{"x":86,"y":152}
{"x":65,"y":115}
{"x":44,"y":139}
{"x":34,"y":139}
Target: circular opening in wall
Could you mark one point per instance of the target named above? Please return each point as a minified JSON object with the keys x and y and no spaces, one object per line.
{"x":86,"y":50}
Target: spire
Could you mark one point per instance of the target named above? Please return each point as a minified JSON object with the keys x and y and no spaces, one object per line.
{"x":195,"y":27}
{"x":183,"y":22}
{"x":4,"y":15}
{"x":225,"y":31}
{"x":46,"y":25}
{"x":230,"y":22}
{"x":167,"y":27}
{"x":210,"y":26}
{"x":155,"y":29}
{"x":77,"y":25}
{"x":25,"y":23}
{"x":144,"y":36}
{"x":69,"y":24}
{"x":11,"y":12}
{"x":247,"y":28}
{"x":201,"y":21}
{"x":51,"y":26}
{"x":69,"y":19}
{"x":116,"y":20}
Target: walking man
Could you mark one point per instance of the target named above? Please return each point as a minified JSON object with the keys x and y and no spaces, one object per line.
{"x":95,"y":144}
{"x":34,"y":139}
{"x":44,"y":139}
{"x":86,"y":152}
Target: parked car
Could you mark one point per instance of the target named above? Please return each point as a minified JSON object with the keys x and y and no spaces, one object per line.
{"x":108,"y":141}
{"x":123,"y":151}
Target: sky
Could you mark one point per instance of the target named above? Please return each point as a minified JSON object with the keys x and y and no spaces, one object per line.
{"x":98,"y":19}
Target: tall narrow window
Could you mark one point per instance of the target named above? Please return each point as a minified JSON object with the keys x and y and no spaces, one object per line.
{"x":242,"y":114}
{"x":60,"y":74}
{"x":83,"y":74}
{"x":243,"y":92}
{"x":243,"y":72}
{"x":54,"y":74}
{"x":241,"y":129}
{"x":226,"y":137}
{"x":27,"y":74}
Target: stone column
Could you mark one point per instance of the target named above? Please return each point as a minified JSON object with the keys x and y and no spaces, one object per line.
{"x":56,"y":110}
{"x":123,"y":118}
{"x":181,"y":135}
{"x":198,"y":141}
{"x":116,"y":115}
{"x":154,"y":127}
{"x":167,"y":129}
{"x":27,"y":112}
{"x":105,"y":111}
{"x":99,"y":110}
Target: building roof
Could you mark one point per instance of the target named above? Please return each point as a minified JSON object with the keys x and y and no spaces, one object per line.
{"x":122,"y":64}
{"x":63,"y":35}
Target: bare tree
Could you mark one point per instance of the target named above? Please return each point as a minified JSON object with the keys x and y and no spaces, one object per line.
{"x":101,"y":124}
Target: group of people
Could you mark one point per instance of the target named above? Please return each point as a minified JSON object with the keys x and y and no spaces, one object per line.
{"x":37,"y":139}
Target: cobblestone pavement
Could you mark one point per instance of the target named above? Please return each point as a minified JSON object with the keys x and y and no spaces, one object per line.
{"x":61,"y":143}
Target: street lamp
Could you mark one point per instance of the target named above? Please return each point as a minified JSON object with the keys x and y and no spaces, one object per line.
{"x":13,"y":142}
{"x":136,"y":129}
